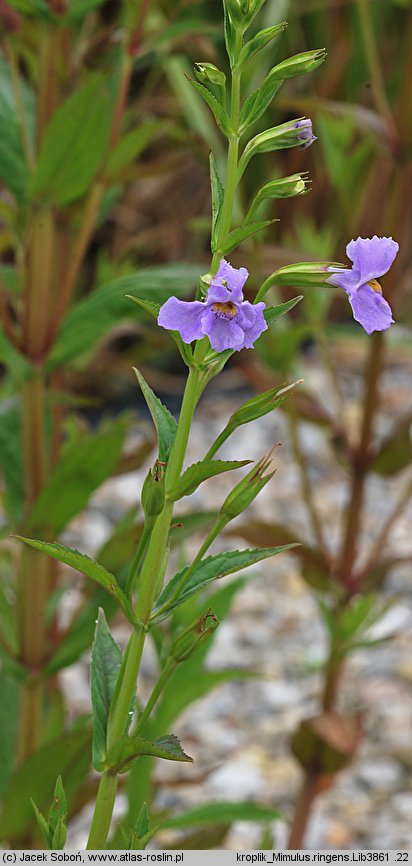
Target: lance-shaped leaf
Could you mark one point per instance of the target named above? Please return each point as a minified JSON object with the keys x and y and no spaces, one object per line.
{"x":219,"y":112}
{"x":126,"y":751}
{"x":74,"y":144}
{"x":87,"y":566}
{"x":273,"y":313}
{"x":104,"y":671}
{"x":198,"y":472}
{"x":237,"y":236}
{"x":210,"y":569}
{"x":217,"y":198}
{"x":263,"y":38}
{"x":164,"y":422}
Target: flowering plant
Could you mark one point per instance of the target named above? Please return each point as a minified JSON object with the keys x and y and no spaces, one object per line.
{"x":206,"y":330}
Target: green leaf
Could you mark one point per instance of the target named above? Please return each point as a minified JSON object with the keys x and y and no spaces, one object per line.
{"x":260,"y":41}
{"x":217,"y":198}
{"x":198,"y":472}
{"x":81,"y":468}
{"x":104,"y":671}
{"x":130,"y":147}
{"x":58,"y":809}
{"x":69,"y":755}
{"x":80,"y":636}
{"x":59,"y":836}
{"x":219,"y":112}
{"x":237,"y":236}
{"x":78,"y":9}
{"x":42,"y":824}
{"x":37,"y":8}
{"x":123,"y":754}
{"x":13,"y":165}
{"x":210,"y":569}
{"x":11,"y":449}
{"x":222,"y":813}
{"x":9,"y":719}
{"x":164,"y":422}
{"x":74,"y":144}
{"x":272,"y":313}
{"x":258,"y":101}
{"x":91,"y":318}
{"x":87,"y":566}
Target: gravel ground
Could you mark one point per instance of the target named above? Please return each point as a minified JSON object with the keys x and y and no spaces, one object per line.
{"x":239,"y":734}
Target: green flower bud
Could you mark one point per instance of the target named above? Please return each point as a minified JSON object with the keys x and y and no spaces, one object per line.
{"x":246,"y":491}
{"x":208,"y":73}
{"x":153,"y":491}
{"x":191,"y":638}
{"x":299,"y":64}
{"x":282,"y":187}
{"x":303,"y":274}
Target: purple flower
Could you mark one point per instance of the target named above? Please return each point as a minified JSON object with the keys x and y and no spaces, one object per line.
{"x":306,"y":134}
{"x":371,"y":257}
{"x":224,"y":317}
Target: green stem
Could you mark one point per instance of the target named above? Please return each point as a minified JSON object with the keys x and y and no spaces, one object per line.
{"x":148,"y":584}
{"x":170,"y":667}
{"x":221,"y":439}
{"x":138,"y":558}
{"x":231,"y":173}
{"x":102,"y":817}
{"x":375,"y":71}
{"x":220,"y":523}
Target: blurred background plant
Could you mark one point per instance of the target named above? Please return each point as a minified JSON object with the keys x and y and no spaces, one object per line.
{"x":104,"y":159}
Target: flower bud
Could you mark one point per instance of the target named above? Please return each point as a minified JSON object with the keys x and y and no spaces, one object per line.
{"x":290,"y":134}
{"x":299,"y":64}
{"x":246,"y":490}
{"x":153,"y":491}
{"x":191,"y":638}
{"x":208,"y":73}
{"x":258,"y":406}
{"x":282,"y":187}
{"x":302,"y":274}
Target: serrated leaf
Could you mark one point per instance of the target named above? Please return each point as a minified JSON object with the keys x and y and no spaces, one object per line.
{"x":164,"y":422}
{"x":142,"y":823}
{"x":123,"y":754}
{"x":259,"y":101}
{"x":217,"y":198}
{"x":80,"y":469}
{"x":237,"y":236}
{"x":87,"y":566}
{"x":42,"y":824}
{"x":260,"y":41}
{"x":198,"y":472}
{"x":219,"y":112}
{"x":210,"y":569}
{"x":105,"y":666}
{"x":74,"y":144}
{"x":272,"y":313}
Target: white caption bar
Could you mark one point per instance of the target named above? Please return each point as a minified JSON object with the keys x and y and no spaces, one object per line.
{"x":205,"y":858}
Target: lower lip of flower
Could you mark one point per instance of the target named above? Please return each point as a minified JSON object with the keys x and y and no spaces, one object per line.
{"x":225,"y":311}
{"x":375,"y":286}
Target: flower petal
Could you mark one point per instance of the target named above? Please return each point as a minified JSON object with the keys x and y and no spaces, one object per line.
{"x":345,"y":278}
{"x":183,"y":316}
{"x":235,"y":279}
{"x":371,"y":257}
{"x":252,"y":322}
{"x":221,"y":295}
{"x":370,"y":309}
{"x":223,"y":333}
